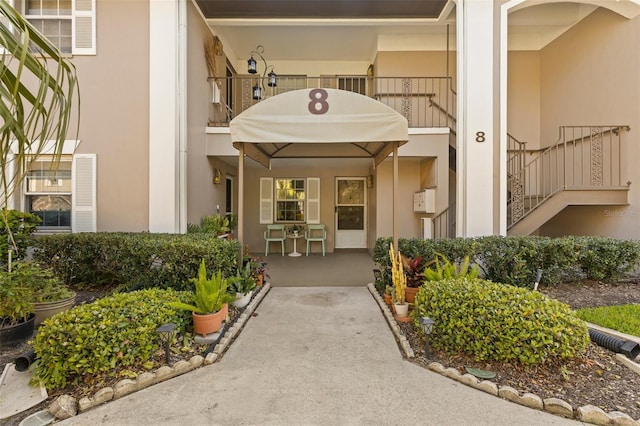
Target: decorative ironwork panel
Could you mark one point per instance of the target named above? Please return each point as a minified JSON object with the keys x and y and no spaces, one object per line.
{"x":596,"y":156}
{"x":247,"y":93}
{"x":406,"y":99}
{"x":517,"y":199}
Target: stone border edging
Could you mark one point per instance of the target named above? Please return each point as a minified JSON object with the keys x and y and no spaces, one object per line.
{"x":65,"y":406}
{"x":586,"y":413}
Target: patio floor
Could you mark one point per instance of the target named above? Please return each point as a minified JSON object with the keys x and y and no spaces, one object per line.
{"x":340,"y":269}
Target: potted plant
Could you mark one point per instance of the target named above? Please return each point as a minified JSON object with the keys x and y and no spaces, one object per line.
{"x":16,"y":310}
{"x":211,"y":300}
{"x":413,"y":271}
{"x":295,"y":229}
{"x":259,"y":270}
{"x":399,"y":286}
{"x":242,"y":286}
{"x":49,"y":294}
{"x":214,"y":224}
{"x":388,"y":291}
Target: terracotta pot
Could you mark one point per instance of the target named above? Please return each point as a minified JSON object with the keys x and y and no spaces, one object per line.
{"x":387,"y":299}
{"x":209,"y":323}
{"x":410,"y":294}
{"x":260,"y":280}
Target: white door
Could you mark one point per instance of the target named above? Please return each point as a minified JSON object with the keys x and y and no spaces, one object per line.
{"x":351,"y":213}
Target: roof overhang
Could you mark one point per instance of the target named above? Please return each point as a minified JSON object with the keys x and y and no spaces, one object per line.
{"x":315,"y":123}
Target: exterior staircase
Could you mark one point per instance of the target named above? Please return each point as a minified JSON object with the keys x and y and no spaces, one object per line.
{"x":583,"y":168}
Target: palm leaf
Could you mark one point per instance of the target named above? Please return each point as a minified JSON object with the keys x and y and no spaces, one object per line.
{"x":38,"y":94}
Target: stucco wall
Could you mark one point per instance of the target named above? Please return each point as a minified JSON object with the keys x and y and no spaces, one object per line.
{"x":202,"y":194}
{"x":523,"y":97}
{"x":114,"y":122}
{"x":591,"y":76}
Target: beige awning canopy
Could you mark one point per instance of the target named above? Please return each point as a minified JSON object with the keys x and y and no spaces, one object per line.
{"x":302,"y":122}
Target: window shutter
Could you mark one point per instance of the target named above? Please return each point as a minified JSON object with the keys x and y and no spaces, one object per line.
{"x":84,"y":27}
{"x":83,"y":178}
{"x":266,"y":200}
{"x":313,"y":200}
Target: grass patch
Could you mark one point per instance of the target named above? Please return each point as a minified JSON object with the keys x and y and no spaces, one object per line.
{"x":625,"y":318}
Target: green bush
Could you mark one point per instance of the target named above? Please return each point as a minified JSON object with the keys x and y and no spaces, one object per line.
{"x":606,"y":258}
{"x":516,"y":260}
{"x":140,"y":260}
{"x":497,"y":322}
{"x":116,"y":331}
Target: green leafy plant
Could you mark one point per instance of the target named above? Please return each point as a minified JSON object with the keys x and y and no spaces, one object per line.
{"x":210,"y":295}
{"x":114,"y":332}
{"x":16,"y":233}
{"x":499,"y":322}
{"x":447,"y":269}
{"x":243,"y":282}
{"x":44,"y":286}
{"x":216,"y":224}
{"x":16,"y":301}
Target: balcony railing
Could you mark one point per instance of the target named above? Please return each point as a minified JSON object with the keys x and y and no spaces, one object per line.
{"x":423,"y":101}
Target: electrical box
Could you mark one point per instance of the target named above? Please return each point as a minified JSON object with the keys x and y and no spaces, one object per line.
{"x":424,"y":201}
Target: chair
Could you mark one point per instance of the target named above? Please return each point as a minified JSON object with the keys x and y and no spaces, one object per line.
{"x":316,"y":233}
{"x":274,"y":233}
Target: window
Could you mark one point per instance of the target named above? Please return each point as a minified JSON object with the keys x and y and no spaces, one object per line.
{"x":290,"y":200}
{"x":68,"y":24}
{"x":298,"y":200}
{"x":48,"y":192}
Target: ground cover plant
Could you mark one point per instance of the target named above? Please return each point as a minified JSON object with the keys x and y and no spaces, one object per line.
{"x":625,"y":318}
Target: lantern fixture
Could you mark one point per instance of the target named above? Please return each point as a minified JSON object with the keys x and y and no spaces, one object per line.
{"x":165,"y":333}
{"x":252,"y":68}
{"x":427,"y":328}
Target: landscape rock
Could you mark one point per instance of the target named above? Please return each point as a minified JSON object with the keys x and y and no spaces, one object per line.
{"x":592,"y":414}
{"x":64,"y":407}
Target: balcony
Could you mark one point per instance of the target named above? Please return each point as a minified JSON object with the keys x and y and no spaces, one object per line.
{"x":423,"y":101}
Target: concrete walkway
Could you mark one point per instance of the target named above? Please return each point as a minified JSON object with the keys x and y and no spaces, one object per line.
{"x":314,"y":356}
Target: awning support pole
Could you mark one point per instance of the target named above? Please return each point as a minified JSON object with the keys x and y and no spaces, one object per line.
{"x":241,"y":202}
{"x":395,"y":196}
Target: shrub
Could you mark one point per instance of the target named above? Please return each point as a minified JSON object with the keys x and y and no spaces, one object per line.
{"x":116,"y":331}
{"x":516,"y":260}
{"x":606,"y":258}
{"x":135,"y":260}
{"x":497,"y":322}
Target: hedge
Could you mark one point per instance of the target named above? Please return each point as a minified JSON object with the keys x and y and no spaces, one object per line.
{"x":108,"y":335}
{"x":516,"y":260}
{"x":139,"y":260}
{"x":497,"y":322}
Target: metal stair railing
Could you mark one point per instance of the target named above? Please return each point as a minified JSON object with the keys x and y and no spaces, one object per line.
{"x":584,"y":157}
{"x":444,"y":223}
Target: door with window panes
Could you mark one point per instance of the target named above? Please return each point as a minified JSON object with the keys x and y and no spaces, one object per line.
{"x":350,"y":212}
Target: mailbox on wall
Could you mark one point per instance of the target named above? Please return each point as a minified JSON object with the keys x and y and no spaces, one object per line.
{"x":424,"y":201}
